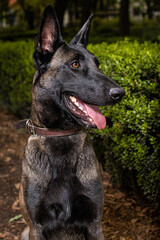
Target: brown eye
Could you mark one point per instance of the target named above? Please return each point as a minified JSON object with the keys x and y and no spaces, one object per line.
{"x":75,"y":64}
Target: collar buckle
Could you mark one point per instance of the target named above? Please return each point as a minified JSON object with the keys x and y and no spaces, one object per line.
{"x":30,"y":128}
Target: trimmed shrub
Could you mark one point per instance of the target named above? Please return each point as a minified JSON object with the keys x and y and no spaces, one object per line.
{"x":132,"y":135}
{"x":131,"y":139}
{"x":17,"y":69}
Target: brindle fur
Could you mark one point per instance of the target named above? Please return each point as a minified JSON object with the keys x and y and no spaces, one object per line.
{"x":61,"y":193}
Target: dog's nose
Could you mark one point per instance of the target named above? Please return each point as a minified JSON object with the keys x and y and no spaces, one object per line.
{"x":116,"y":93}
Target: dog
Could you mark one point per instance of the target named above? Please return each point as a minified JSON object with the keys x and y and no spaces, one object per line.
{"x":61,"y":193}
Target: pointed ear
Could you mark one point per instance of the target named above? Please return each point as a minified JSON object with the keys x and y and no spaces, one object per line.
{"x":81,"y":37}
{"x":49,"y":37}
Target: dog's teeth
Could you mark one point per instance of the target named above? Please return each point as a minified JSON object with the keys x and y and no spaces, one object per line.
{"x":73,"y":99}
{"x":76,"y":103}
{"x":90,"y":119}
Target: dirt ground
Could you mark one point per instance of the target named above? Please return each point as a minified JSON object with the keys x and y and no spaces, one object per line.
{"x":124,"y":218}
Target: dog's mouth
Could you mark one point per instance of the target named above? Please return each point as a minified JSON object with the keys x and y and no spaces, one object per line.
{"x":89,"y":115}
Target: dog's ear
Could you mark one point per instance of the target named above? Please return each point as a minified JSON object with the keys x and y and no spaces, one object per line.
{"x":49,"y":37}
{"x":81,"y":37}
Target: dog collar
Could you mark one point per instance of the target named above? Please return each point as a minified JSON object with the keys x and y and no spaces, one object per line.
{"x":33,"y":130}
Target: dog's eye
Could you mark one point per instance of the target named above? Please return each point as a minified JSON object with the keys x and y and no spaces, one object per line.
{"x":75,"y":64}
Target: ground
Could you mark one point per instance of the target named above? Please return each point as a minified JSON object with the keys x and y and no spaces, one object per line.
{"x":123,"y":219}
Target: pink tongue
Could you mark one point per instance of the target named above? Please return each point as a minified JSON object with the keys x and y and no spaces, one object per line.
{"x":94,"y":113}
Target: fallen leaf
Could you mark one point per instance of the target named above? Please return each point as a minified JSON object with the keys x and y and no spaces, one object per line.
{"x":13,"y":170}
{"x":109,"y":195}
{"x":138,"y":209}
{"x":134,"y":220}
{"x":119,"y":195}
{"x":17,"y":185}
{"x":12,"y":151}
{"x":145,"y":209}
{"x":15,"y":205}
{"x":127,"y":203}
{"x":15,"y":218}
{"x":118,"y":206}
{"x":7,"y":159}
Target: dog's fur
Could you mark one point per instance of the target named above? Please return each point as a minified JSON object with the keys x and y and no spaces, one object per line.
{"x":61,"y":192}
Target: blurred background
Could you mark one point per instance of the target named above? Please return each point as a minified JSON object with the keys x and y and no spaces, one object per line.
{"x":125,"y":36}
{"x":19,"y":19}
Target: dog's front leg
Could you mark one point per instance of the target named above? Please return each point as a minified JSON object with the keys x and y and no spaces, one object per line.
{"x":95,"y":231}
{"x":36,"y":233}
{"x":32,"y":234}
{"x":25,"y":234}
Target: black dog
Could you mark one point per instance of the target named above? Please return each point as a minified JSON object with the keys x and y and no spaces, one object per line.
{"x":61,"y":193}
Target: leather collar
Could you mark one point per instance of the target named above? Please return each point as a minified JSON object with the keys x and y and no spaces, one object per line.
{"x":33,"y":130}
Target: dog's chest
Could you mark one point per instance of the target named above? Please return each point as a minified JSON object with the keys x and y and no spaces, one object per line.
{"x":60,"y":157}
{"x":61,"y":179}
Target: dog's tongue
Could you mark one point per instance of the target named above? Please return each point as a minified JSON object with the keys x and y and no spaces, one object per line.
{"x":95,"y":114}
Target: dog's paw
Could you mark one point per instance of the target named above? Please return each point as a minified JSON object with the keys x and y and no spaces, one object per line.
{"x":25,"y":234}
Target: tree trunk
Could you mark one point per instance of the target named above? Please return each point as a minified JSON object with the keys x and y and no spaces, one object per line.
{"x":124,"y":18}
{"x":149,"y":9}
{"x":76,"y":9}
{"x":3,"y":9}
{"x":94,"y":5}
{"x":86,"y":10}
{"x":60,"y":7}
{"x":29,"y":15}
{"x":101,"y":7}
{"x":1,"y":16}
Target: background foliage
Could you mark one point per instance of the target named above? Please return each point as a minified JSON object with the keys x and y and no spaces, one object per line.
{"x":17,"y":69}
{"x":17,"y":16}
{"x":131,"y":139}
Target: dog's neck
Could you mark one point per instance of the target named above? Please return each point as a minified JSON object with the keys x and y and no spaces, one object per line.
{"x":58,"y":124}
{"x":54,"y":122}
{"x":34,"y":130}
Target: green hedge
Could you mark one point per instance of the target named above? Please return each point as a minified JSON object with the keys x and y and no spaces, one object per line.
{"x":131,"y":139}
{"x":16,"y":74}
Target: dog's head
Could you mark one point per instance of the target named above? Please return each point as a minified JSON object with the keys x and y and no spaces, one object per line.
{"x":68,"y":85}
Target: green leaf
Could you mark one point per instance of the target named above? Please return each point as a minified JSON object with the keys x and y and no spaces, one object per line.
{"x":15,"y":218}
